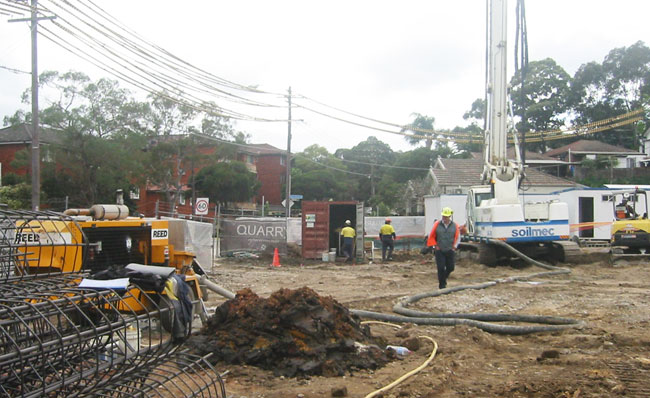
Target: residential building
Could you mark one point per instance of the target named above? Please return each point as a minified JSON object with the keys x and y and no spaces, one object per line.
{"x":573,"y":154}
{"x":16,"y":138}
{"x":455,"y":176}
{"x":266,"y":161}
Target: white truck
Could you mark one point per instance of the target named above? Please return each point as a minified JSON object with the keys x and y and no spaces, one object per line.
{"x":497,"y":220}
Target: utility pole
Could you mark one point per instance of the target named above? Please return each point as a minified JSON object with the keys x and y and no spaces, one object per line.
{"x":192,"y":176}
{"x":288,"y":176}
{"x":36,"y":152}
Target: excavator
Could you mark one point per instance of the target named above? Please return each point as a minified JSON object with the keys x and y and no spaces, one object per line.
{"x":498,"y":222}
{"x":631,"y":227}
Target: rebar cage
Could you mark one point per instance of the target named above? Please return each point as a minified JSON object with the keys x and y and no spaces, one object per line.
{"x":60,"y":340}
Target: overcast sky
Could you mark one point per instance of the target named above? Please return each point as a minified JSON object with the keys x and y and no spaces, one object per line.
{"x":383,"y":60}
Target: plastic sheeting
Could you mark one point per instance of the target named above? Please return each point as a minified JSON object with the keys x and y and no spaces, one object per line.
{"x":195,"y":237}
{"x":405,"y":226}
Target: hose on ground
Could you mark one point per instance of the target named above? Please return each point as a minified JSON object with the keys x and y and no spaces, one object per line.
{"x":411,"y":373}
{"x":483,"y":320}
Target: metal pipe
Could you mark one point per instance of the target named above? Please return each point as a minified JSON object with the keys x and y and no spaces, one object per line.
{"x":216,"y":288}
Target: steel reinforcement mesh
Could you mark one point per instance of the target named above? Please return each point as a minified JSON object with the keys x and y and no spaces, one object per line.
{"x":38,"y":243}
{"x":59,"y":340}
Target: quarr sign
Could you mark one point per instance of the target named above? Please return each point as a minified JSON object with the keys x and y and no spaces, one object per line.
{"x":262,"y":235}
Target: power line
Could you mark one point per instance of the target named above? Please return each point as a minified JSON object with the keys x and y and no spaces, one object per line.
{"x":123,"y":53}
{"x":14,"y":70}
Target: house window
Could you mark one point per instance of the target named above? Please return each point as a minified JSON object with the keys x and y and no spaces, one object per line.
{"x":283,"y":161}
{"x":134,"y":193}
{"x":606,"y":198}
{"x":250,"y":159}
{"x":46,"y":155}
{"x":630,"y":163}
{"x":283,"y":179}
{"x":181,"y":198}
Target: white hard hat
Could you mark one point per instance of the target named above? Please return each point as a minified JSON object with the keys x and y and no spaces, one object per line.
{"x":348,"y":222}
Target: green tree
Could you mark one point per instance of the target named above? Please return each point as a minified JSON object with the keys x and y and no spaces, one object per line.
{"x":477,"y":111}
{"x":92,"y":157}
{"x":227,"y":182}
{"x":421,"y":126}
{"x":318,"y":175}
{"x":17,"y":196}
{"x":411,"y":165}
{"x":174,"y":132}
{"x":319,"y":185}
{"x":473,"y":137}
{"x":367,"y":160}
{"x":544,"y":98}
{"x":619,"y":85}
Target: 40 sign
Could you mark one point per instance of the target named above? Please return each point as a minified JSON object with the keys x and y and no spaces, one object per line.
{"x":202,"y":206}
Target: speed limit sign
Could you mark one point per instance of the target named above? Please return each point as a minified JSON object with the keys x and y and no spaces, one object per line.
{"x":201,"y":207}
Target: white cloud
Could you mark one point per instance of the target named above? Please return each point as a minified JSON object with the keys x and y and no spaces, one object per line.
{"x":381,"y":59}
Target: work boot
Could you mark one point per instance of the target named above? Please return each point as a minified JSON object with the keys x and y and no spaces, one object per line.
{"x":442,"y":286}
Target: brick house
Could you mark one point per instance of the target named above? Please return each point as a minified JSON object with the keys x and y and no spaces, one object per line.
{"x":16,"y":138}
{"x":266,"y":161}
{"x":573,"y":154}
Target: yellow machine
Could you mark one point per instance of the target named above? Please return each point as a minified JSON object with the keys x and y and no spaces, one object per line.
{"x":100,"y":238}
{"x":631,"y":227}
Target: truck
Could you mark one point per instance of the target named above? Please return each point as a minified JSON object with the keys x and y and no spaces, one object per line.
{"x":497,"y":220}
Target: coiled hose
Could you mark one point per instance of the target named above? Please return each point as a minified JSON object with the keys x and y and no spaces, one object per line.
{"x":483,"y":320}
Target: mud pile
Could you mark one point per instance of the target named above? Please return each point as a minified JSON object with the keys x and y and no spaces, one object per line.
{"x":293,"y":333}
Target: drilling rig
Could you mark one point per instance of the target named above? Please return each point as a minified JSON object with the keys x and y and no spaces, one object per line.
{"x":496,"y":216}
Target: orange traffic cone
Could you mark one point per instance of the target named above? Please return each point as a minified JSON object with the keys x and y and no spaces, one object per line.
{"x":276,"y":258}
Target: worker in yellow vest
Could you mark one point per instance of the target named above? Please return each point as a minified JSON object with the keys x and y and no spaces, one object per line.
{"x":387,"y":236}
{"x":348,"y":233}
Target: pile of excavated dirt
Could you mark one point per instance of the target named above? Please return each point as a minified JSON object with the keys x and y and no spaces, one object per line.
{"x":293,"y":333}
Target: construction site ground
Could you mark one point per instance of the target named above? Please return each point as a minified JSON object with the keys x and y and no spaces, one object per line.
{"x":608,"y":356}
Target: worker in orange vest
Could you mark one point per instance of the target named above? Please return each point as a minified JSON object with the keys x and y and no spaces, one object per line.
{"x":444,"y":239}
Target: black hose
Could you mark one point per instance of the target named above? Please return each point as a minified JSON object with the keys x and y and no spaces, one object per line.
{"x":481,"y":321}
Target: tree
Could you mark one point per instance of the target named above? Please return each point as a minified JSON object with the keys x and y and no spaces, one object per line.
{"x":316,"y":174}
{"x":172,"y":130}
{"x":544,"y":98}
{"x":412,"y":165}
{"x":477,"y":111}
{"x":617,"y":86}
{"x":319,"y":185}
{"x":367,"y":159}
{"x":92,"y":157}
{"x":226,"y":182}
{"x":422,"y":126}
{"x":17,"y":196}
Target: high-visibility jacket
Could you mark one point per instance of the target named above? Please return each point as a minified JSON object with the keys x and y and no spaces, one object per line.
{"x":348,"y":232}
{"x":446,"y":238}
{"x":386,"y":230}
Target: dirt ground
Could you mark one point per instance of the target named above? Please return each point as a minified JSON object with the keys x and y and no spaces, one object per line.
{"x":608,"y":356}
